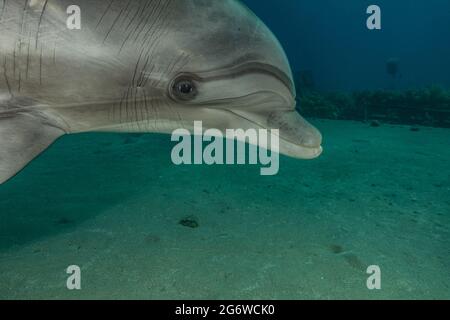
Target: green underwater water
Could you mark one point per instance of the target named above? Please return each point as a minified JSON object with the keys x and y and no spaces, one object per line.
{"x":112,"y":204}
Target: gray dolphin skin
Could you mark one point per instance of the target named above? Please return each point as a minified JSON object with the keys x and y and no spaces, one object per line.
{"x":140,"y":66}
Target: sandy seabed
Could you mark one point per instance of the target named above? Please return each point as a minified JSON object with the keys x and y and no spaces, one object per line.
{"x":112,"y":203}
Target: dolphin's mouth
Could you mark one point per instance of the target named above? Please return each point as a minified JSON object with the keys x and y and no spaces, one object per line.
{"x":298,"y":138}
{"x":294,"y":150}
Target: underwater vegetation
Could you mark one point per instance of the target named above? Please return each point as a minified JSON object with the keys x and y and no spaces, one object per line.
{"x":428,"y":106}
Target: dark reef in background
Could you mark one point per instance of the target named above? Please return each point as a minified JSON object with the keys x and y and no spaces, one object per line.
{"x":429,"y":106}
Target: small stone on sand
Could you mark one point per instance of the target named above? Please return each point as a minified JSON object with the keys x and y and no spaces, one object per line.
{"x":190,"y":222}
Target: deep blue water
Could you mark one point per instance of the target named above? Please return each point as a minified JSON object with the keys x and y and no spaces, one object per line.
{"x":330,"y":38}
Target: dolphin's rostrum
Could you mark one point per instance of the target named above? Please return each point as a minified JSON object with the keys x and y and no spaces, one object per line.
{"x":140,"y":66}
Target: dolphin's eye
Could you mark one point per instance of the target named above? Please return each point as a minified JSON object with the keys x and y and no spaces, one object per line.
{"x":184,"y":89}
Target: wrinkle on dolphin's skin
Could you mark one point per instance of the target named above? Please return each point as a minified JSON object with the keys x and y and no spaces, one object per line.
{"x":140,"y":66}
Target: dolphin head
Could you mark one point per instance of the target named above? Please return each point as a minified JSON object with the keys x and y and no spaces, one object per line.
{"x":226,"y":69}
{"x":141,"y":65}
{"x":157,"y":66}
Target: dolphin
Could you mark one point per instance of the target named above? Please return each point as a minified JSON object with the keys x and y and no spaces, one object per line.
{"x":140,"y":66}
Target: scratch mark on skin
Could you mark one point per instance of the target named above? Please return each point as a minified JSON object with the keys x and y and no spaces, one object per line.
{"x":145,"y":78}
{"x":146,"y":109}
{"x":154,"y":44}
{"x":115,"y":21}
{"x":122,"y":101}
{"x":40,"y":67}
{"x":140,"y":81}
{"x":156,"y":11}
{"x":24,"y":13}
{"x":132,"y":86}
{"x":125,"y":18}
{"x":40,"y":22}
{"x":28,"y":59}
{"x":142,"y":15}
{"x":134,"y":16}
{"x":104,"y":13}
{"x":127,"y":117}
{"x":20,"y":80}
{"x":132,"y":32}
{"x":54,"y":54}
{"x":136,"y":109}
{"x":14,"y":60}
{"x":127,"y":10}
{"x":5,"y":73}
{"x":136,"y":69}
{"x":152,"y":30}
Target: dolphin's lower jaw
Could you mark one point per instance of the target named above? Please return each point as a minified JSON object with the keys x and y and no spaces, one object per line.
{"x":293,"y":150}
{"x":297,"y":138}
